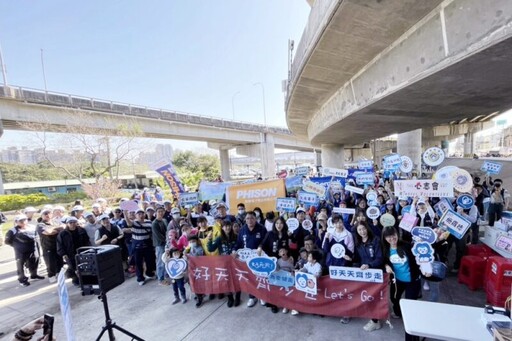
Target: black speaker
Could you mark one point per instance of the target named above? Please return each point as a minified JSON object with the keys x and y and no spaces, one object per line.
{"x":99,"y":268}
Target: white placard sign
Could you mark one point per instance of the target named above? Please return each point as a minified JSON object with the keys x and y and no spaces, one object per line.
{"x":424,"y":188}
{"x":354,"y":189}
{"x":365,"y":164}
{"x":312,"y":187}
{"x":286,"y":204}
{"x":340,"y":173}
{"x":335,"y":186}
{"x":455,"y":223}
{"x":346,"y":273}
{"x":406,"y":165}
{"x":189,"y":199}
{"x":293,"y":224}
{"x":302,"y":170}
{"x":491,"y":167}
{"x":373,"y":212}
{"x":433,"y":156}
{"x":307,"y":224}
{"x":341,"y":210}
{"x":305,"y":282}
{"x":65,"y":307}
{"x":393,"y":159}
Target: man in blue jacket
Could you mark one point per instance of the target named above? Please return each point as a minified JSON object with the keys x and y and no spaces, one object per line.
{"x":251,"y":236}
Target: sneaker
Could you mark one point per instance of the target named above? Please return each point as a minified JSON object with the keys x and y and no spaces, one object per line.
{"x":221,"y":296}
{"x":52,"y":279}
{"x":285,"y":310}
{"x":176,"y":300}
{"x":149,"y":277}
{"x":25,"y":284}
{"x":395,"y":316}
{"x":199,"y":301}
{"x":262,"y":302}
{"x":184,"y":300}
{"x":36,"y":277}
{"x":294,"y":313}
{"x":131,"y":269}
{"x":426,"y":287}
{"x":163,"y":283}
{"x":345,"y":320}
{"x":371,"y":326}
{"x":237,"y":301}
{"x":251,"y":303}
{"x":275,"y":309}
{"x":141,"y":283}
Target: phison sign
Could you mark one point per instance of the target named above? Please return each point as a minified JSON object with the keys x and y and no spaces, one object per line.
{"x":262,"y":194}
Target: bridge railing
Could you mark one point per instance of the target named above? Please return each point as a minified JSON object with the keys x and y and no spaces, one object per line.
{"x":112,"y":107}
{"x":318,"y":18}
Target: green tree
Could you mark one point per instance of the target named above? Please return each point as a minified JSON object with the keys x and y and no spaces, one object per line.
{"x":192,"y":167}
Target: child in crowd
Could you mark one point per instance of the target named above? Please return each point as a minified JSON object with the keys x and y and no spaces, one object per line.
{"x":178,"y":282}
{"x":303,"y":259}
{"x":284,"y":262}
{"x":312,"y":266}
{"x":195,"y":249}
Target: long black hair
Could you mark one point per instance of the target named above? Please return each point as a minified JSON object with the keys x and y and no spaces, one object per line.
{"x":359,"y":239}
{"x":390,"y":231}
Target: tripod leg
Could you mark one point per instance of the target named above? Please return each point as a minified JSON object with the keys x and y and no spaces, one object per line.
{"x":103,"y":330}
{"x":124,"y":331}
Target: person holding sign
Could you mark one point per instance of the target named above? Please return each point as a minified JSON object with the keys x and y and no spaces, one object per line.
{"x":338,"y":245}
{"x":297,"y":237}
{"x":251,"y":236}
{"x":499,"y":201}
{"x":276,"y":239}
{"x":224,"y":244}
{"x":401,"y":264}
{"x":368,"y":255}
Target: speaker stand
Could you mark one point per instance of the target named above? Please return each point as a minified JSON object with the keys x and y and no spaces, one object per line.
{"x":111,"y":325}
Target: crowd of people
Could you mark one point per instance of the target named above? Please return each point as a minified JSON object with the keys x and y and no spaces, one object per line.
{"x":160,"y":229}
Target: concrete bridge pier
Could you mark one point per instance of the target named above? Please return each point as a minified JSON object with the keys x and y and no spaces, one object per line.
{"x":333,"y":155}
{"x":225,"y":164}
{"x":469,"y":144}
{"x":409,"y":144}
{"x":267,"y":156}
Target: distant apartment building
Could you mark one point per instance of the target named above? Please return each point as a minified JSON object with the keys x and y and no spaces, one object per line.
{"x":162,"y":151}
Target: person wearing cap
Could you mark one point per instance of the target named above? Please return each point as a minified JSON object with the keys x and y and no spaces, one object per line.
{"x":168,"y":208}
{"x":48,"y":235}
{"x":77,"y":211}
{"x":159,"y":232}
{"x":150,"y":213}
{"x":22,"y":240}
{"x":297,"y":236}
{"x":108,"y":234}
{"x":499,"y":201}
{"x":119,"y":221}
{"x":68,"y":242}
{"x":91,"y":226}
{"x":57,"y":215}
{"x":223,"y":213}
{"x":143,"y":251}
{"x":251,"y":236}
{"x":96,"y":210}
{"x":174,"y":220}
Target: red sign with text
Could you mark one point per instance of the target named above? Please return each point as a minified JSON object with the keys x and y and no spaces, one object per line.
{"x":224,"y":274}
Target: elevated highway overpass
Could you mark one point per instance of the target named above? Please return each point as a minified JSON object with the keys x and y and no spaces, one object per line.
{"x":367,"y":69}
{"x":21,"y":107}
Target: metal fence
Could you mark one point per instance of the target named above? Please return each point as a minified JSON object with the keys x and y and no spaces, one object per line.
{"x":111,"y":107}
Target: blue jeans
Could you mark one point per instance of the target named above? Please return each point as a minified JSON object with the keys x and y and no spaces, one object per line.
{"x":179,"y":285}
{"x":160,"y":266}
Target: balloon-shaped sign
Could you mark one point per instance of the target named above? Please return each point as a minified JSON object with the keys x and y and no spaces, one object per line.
{"x":373,"y":212}
{"x":462,"y":180}
{"x":433,"y":156}
{"x":387,"y":220}
{"x":465,"y":201}
{"x":293,"y":224}
{"x":406,"y":165}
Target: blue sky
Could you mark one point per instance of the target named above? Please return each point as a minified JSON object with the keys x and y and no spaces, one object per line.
{"x":190,"y":56}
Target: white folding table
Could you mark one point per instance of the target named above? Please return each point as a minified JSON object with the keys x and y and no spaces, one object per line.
{"x":443,"y":321}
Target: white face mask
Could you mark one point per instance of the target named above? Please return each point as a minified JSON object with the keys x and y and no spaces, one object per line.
{"x":257,"y":214}
{"x":193,"y":244}
{"x":176,"y":216}
{"x":242,"y":211}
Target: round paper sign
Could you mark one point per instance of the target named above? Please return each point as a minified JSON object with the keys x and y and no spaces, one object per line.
{"x":433,"y":156}
{"x":406,"y":165}
{"x":337,"y":251}
{"x":373,"y":212}
{"x":307,"y":225}
{"x":293,"y":224}
{"x":371,"y":196}
{"x":387,"y":220}
{"x":462,"y":181}
{"x":444,"y":173}
{"x":465,"y":201}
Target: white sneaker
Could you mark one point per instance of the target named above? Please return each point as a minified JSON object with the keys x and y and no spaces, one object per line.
{"x":285,"y":310}
{"x":371,"y":326}
{"x":251,"y":303}
{"x":141,"y":283}
{"x":395,"y":316}
{"x":345,"y":320}
{"x":52,"y":279}
{"x":262,"y":302}
{"x":426,"y":287}
{"x":294,"y":313}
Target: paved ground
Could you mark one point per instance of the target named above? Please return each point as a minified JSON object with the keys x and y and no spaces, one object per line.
{"x":147,"y":312}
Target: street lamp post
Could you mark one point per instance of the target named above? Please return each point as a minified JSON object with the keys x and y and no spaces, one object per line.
{"x":4,"y":73}
{"x":263,"y":98}
{"x":44,"y":75}
{"x":233,"y":103}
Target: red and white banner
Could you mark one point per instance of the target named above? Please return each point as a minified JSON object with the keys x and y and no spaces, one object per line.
{"x":223,"y":274}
